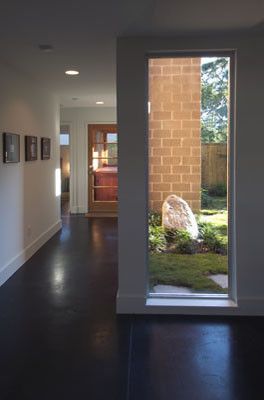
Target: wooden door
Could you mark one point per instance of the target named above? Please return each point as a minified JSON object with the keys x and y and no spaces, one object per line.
{"x":102,"y":168}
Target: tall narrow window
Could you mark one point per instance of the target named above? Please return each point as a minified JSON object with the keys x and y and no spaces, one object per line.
{"x":188,"y":175}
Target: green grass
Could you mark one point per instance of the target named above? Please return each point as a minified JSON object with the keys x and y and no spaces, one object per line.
{"x":215,"y":217}
{"x":218,"y":203}
{"x":187,"y":270}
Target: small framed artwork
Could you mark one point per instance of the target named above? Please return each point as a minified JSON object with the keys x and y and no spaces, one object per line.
{"x":45,"y":148}
{"x":11,"y":148}
{"x":31,"y":148}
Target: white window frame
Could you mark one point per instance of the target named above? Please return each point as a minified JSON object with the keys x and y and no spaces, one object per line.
{"x":229,"y":299}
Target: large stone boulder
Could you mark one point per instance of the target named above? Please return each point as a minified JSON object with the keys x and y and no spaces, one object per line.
{"x":177,"y":214}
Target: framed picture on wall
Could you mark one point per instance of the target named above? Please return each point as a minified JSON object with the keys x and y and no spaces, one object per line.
{"x":45,"y":148}
{"x":11,"y":148}
{"x":31,"y":148}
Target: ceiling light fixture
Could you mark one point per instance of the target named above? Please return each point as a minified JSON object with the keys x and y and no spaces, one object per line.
{"x":72,"y":72}
{"x":46,"y":48}
{"x":100,"y":102}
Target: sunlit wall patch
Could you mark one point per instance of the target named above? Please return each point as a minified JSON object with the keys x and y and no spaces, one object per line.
{"x":57,"y":182}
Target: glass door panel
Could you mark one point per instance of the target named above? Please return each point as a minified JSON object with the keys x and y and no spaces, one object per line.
{"x":103,"y":161}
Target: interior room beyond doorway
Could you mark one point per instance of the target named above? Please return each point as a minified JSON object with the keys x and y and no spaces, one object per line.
{"x":102,"y":170}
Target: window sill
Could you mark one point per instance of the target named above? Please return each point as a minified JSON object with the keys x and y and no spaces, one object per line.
{"x":191,"y":302}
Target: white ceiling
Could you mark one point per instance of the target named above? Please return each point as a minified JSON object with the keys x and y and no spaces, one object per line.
{"x":84,"y":32}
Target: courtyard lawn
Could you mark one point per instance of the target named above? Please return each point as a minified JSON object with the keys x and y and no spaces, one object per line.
{"x":189,"y":270}
{"x":215,"y":217}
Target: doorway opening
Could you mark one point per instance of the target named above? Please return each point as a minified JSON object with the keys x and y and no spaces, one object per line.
{"x":189,"y":175}
{"x":102,"y":169}
{"x":65,"y":169}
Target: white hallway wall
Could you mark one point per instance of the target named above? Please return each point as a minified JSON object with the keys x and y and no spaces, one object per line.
{"x":29,"y":208}
{"x":79,"y":119}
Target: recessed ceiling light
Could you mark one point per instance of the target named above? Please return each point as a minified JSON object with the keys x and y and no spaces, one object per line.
{"x":72,"y":72}
{"x":100,"y":102}
{"x":46,"y":48}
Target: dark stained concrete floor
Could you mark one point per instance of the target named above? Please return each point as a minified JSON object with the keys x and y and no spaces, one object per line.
{"x":61,"y":339}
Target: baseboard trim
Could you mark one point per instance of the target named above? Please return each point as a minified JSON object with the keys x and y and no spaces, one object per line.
{"x":13,"y":265}
{"x":101,"y":215}
{"x":78,"y":210}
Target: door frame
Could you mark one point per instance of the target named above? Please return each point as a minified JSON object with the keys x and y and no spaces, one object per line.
{"x":107,"y":206}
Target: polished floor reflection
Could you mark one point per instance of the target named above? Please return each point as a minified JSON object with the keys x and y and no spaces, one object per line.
{"x":61,"y":339}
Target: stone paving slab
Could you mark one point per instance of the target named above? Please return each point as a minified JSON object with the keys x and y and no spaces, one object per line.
{"x":220,"y":279}
{"x":171,"y":289}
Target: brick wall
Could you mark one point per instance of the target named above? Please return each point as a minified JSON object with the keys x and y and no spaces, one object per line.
{"x":174,"y":130}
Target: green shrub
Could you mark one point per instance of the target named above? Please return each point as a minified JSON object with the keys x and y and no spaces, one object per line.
{"x":212,"y":238}
{"x":212,"y":241}
{"x":170,"y":235}
{"x":206,"y":200}
{"x":157,"y":240}
{"x":154,"y":218}
{"x":181,"y":241}
{"x":218,"y":190}
{"x":202,"y":226}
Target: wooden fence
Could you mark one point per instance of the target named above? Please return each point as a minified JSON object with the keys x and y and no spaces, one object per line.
{"x":214,"y":164}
